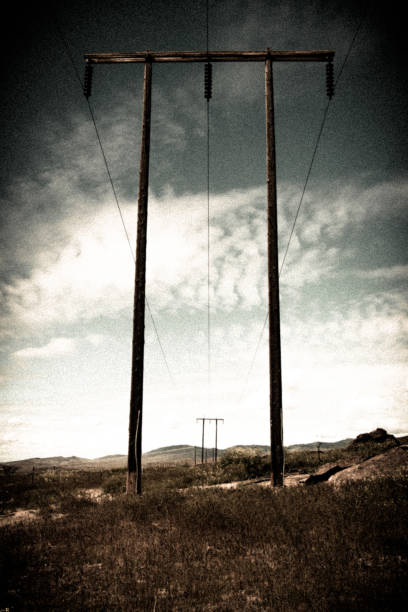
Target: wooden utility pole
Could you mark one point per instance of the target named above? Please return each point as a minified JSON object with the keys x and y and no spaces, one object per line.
{"x":203,"y":419}
{"x":134,"y":476}
{"x":275,"y":378}
{"x":204,"y":454}
{"x":216,"y":439}
{"x":318,"y":451}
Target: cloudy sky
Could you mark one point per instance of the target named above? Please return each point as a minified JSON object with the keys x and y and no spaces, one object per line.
{"x":67,"y":270}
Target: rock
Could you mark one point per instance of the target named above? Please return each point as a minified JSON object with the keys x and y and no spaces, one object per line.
{"x":378,"y":436}
{"x":323,"y":476}
{"x":391,"y":464}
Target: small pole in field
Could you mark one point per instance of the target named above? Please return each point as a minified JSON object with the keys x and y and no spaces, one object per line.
{"x":216,"y":438}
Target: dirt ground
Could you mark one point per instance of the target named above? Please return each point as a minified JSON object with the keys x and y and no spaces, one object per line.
{"x":19,"y":516}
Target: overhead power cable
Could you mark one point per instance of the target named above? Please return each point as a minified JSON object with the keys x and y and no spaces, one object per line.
{"x":309,"y":171}
{"x":317,"y":145}
{"x":208,"y":245}
{"x":207,"y":95}
{"x":108,"y":172}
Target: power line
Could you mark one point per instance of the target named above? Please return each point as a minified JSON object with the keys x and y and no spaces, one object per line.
{"x":253,"y":359}
{"x":110,"y":179}
{"x":78,"y":76}
{"x":317,"y":145}
{"x":207,"y":94}
{"x":305,"y":185}
{"x":208,"y":246}
{"x":301,"y":200}
{"x":127,"y":235}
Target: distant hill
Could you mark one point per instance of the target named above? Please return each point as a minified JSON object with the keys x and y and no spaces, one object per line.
{"x":244,"y":448}
{"x":185,"y":452}
{"x":42,"y":463}
{"x":172,"y":454}
{"x":180,"y":453}
{"x":323,"y":445}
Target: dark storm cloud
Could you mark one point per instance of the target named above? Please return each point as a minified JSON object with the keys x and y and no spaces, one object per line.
{"x":52,"y":167}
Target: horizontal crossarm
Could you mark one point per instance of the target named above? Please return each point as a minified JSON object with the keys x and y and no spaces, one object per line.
{"x":210,"y":56}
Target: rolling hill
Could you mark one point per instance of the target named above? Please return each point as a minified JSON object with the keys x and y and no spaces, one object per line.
{"x":167,"y":454}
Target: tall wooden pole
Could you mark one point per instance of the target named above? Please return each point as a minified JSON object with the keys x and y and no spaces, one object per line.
{"x":216,"y":441}
{"x":216,"y":438}
{"x":202,"y":443}
{"x":134,"y":477}
{"x":275,"y":377}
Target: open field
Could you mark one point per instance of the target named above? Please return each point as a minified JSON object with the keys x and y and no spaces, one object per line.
{"x":85,"y":546}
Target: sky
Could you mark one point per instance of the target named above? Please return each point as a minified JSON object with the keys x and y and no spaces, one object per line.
{"x":67,"y":272}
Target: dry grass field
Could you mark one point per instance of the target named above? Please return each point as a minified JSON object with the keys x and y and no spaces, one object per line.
{"x":85,"y":546}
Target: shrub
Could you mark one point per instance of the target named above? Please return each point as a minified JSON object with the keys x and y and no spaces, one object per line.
{"x":245,"y":465}
{"x":114,"y":484}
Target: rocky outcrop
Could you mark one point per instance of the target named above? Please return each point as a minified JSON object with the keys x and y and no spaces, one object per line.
{"x":391,"y":464}
{"x":378,"y":436}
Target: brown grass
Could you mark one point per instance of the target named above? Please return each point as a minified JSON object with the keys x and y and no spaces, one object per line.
{"x":318,"y":548}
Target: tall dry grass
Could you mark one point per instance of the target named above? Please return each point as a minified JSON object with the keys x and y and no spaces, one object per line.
{"x":319,"y":548}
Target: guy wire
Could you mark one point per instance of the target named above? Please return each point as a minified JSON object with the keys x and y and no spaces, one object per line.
{"x":69,"y":54}
{"x":208,"y":225}
{"x":301,"y":201}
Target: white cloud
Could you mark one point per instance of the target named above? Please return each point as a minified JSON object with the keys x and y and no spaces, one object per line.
{"x":391,"y":273}
{"x":55,"y":347}
{"x":95,"y":339}
{"x":92,"y":275}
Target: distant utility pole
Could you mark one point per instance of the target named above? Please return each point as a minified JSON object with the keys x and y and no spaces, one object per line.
{"x":275,"y":382}
{"x":216,"y":439}
{"x":204,"y":454}
{"x":203,"y":419}
{"x":318,"y":451}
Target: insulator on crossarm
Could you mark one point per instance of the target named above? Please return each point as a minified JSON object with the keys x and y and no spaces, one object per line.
{"x":88,"y":80}
{"x":330,"y":79}
{"x":208,"y":81}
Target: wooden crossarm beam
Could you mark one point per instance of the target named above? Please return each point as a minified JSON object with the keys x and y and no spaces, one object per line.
{"x":211,"y":56}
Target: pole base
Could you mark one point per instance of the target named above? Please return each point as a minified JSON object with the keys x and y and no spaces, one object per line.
{"x":131,"y":483}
